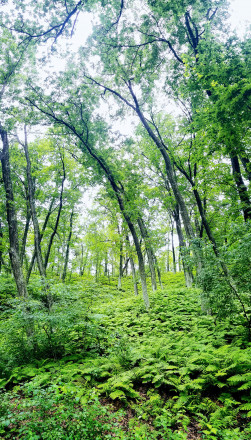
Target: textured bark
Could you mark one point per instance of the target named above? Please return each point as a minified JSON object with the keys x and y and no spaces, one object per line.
{"x":241,"y":188}
{"x":68,"y":248}
{"x":11,"y":218}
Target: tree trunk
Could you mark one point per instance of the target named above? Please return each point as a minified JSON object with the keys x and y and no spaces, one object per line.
{"x":125,"y":268}
{"x":132,"y":229}
{"x":106,"y":265}
{"x":25,"y":234}
{"x":67,"y":248}
{"x":96,"y":268}
{"x":169,"y":169}
{"x":173,"y":251}
{"x":149,"y":251}
{"x":41,"y":236}
{"x":1,"y":251}
{"x":135,"y":285}
{"x":241,"y":188}
{"x":158,"y":271}
{"x":31,"y":193}
{"x":120,"y":260}
{"x":187,"y":270}
{"x":11,"y":218}
{"x":83,"y":264}
{"x":167,"y":261}
{"x":58,"y":217}
{"x":247,"y":166}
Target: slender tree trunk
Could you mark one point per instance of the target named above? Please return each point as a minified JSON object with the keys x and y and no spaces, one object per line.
{"x":31,"y":192}
{"x":11,"y":218}
{"x":67,"y":248}
{"x":241,"y":188}
{"x":132,"y":229}
{"x":125,"y":268}
{"x":120,"y":260}
{"x":149,"y":251}
{"x":81,"y":261}
{"x":167,"y":262}
{"x":25,"y":234}
{"x":41,"y":236}
{"x":106,"y":265}
{"x":158,"y":271}
{"x":247,"y":166}
{"x":1,"y":244}
{"x":187,"y":270}
{"x":119,"y":193}
{"x":169,"y":169}
{"x":84,"y":263}
{"x":96,"y":268}
{"x":173,"y":251}
{"x":58,"y":217}
{"x":135,"y":285}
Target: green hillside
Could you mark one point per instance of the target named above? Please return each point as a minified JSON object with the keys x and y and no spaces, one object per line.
{"x":97,"y":365}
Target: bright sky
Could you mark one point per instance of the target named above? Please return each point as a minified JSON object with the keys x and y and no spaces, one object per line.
{"x":240,"y":11}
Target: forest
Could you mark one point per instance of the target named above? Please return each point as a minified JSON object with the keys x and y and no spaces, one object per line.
{"x":125,"y":221}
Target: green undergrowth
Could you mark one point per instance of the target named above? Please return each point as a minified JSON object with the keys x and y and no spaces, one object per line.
{"x":98,"y":365}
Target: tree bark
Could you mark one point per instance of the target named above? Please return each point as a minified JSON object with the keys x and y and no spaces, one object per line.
{"x":58,"y":217}
{"x":187,"y":270}
{"x":67,"y":248}
{"x":241,"y":188}
{"x":169,"y":168}
{"x":173,"y":250}
{"x":25,"y":234}
{"x":135,"y":285}
{"x":106,"y":265}
{"x":11,"y":218}
{"x":247,"y":166}
{"x":41,"y":237}
{"x":1,"y":249}
{"x":167,"y":261}
{"x":138,"y":250}
{"x":31,"y":193}
{"x":149,"y":251}
{"x":120,"y":259}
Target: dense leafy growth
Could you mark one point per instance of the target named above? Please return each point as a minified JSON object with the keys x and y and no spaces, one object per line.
{"x":125,"y":210}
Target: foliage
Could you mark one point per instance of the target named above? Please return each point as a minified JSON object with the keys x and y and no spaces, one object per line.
{"x":173,"y":369}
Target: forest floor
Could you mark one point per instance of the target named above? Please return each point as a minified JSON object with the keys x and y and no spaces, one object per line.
{"x":97,"y":365}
